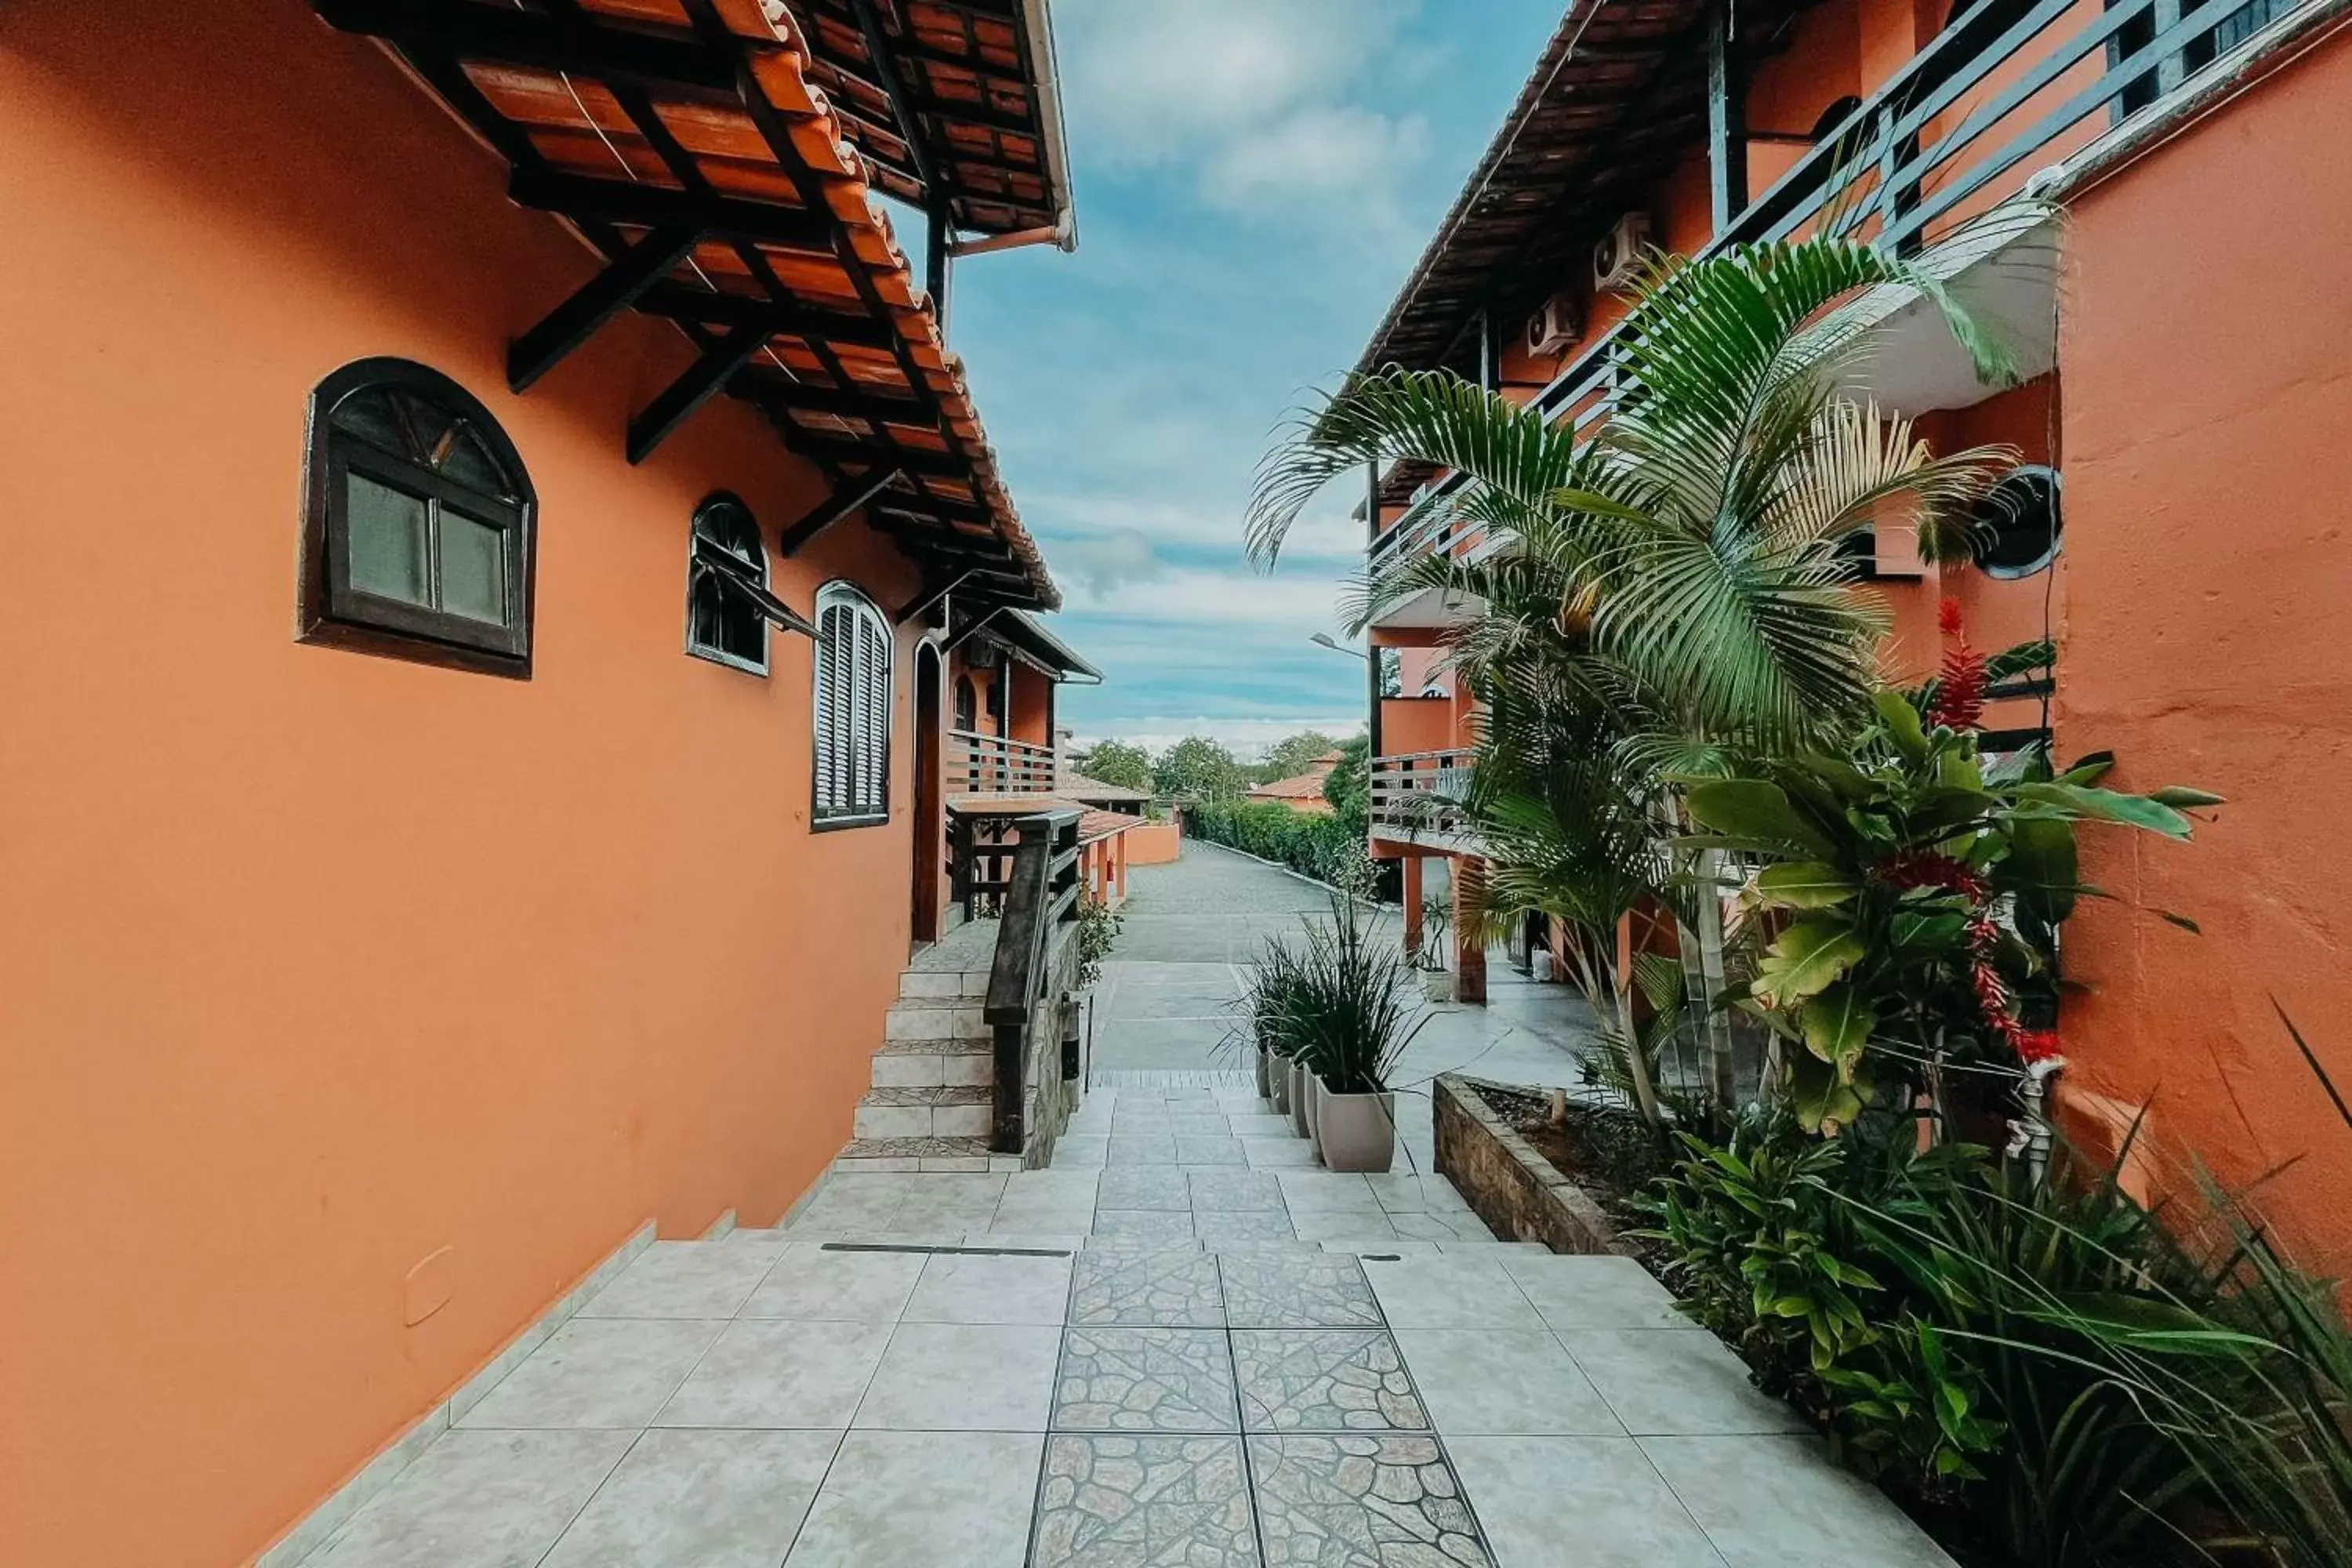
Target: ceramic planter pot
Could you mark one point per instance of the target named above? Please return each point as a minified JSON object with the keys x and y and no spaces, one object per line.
{"x":1437,"y":985}
{"x":1356,"y":1132}
{"x":1314,"y":1110}
{"x":1300,"y":1081}
{"x":1278,"y":1083}
{"x":1265,"y":1088}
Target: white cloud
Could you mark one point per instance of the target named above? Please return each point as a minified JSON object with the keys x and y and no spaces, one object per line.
{"x":1251,"y":94}
{"x":1104,"y":562}
{"x":1296,"y":602}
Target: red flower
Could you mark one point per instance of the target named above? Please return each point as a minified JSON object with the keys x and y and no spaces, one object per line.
{"x":1959,"y":702}
{"x":1931,"y":868}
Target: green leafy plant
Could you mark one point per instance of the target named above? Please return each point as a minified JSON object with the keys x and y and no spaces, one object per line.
{"x":1344,"y":1001}
{"x":1117,"y":762}
{"x":1910,"y":896}
{"x":1098,"y":929}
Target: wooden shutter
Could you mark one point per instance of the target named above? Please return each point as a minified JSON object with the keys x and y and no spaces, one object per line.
{"x":873,"y":715}
{"x":852,"y":708}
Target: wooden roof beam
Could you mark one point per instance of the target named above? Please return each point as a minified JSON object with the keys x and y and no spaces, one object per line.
{"x":597,"y":302}
{"x":544,"y":40}
{"x":643,"y":206}
{"x":690,"y":391}
{"x":849,"y":495}
{"x":684,"y":302}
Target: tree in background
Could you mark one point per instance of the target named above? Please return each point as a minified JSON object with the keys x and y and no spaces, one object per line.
{"x":1117,"y":762}
{"x":1286,"y":759}
{"x":1197,"y":768}
{"x":1348,"y":788}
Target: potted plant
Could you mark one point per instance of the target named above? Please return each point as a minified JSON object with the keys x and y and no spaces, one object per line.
{"x":1267,"y":1006}
{"x":1353,"y":1017}
{"x":1436,"y":980}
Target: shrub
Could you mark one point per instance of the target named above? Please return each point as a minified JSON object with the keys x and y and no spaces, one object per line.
{"x":1328,"y":848}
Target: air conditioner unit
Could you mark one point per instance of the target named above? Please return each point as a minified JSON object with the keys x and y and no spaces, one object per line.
{"x":1617,"y":259}
{"x":1553,"y":329}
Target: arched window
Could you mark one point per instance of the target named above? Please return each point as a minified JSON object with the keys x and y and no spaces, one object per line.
{"x":417,"y":541}
{"x":2019,"y":524}
{"x":853,"y":709}
{"x":727,"y":564}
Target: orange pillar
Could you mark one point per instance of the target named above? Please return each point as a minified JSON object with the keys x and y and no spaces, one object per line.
{"x":1118,"y":864}
{"x":1469,"y":954}
{"x":1411,"y":905}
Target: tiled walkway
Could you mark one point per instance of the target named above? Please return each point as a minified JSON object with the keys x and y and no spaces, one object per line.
{"x":1184,"y":1346}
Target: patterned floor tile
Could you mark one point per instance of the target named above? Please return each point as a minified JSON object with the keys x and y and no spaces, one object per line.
{"x":1324,"y":1380}
{"x":1362,"y":1502}
{"x":1146,"y":1380}
{"x":1135,"y":1287}
{"x":1156,"y":1225}
{"x":1233,"y":1187}
{"x":1143,"y":1187}
{"x":1144,"y":1502}
{"x":1298,"y":1290}
{"x":1224,"y":1227}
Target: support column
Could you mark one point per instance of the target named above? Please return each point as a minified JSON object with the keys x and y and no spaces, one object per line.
{"x":1469,"y":954}
{"x":1726,"y":117}
{"x":1413,"y":932}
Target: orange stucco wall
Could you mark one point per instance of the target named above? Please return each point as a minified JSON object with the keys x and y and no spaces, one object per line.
{"x":2208,"y":570}
{"x":315,"y":964}
{"x":1153,"y":843}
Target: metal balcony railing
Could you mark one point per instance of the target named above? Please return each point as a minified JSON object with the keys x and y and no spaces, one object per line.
{"x":2008,"y":89}
{"x":992,"y":764}
{"x":1412,"y":792}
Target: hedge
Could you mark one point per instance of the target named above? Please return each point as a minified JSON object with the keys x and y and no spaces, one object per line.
{"x":1326,"y":847}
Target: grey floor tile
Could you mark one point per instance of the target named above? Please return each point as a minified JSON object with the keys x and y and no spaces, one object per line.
{"x":1233,"y":1187}
{"x":1219,"y":1228}
{"x":1439,"y":1224}
{"x":1502,"y":1381}
{"x":1450,"y":1291}
{"x":1276,"y":1154}
{"x":1780,"y":1502}
{"x":1145,"y":1380}
{"x":1078,"y":1152}
{"x":812,"y":1281}
{"x":1594,"y":1292}
{"x":701,"y":1499}
{"x":1297,"y":1290}
{"x":836,"y":1207}
{"x":962,"y":1377}
{"x":1208,"y":1149}
{"x":1406,"y":1194}
{"x":1049,"y":1185}
{"x":597,"y":1372}
{"x":1151,"y":1224}
{"x":1324,"y":1380}
{"x":772,"y":1372}
{"x":1146,"y":1287}
{"x":478,"y":1500}
{"x":1257,"y":1122}
{"x":1113,"y":1501}
{"x":1675,"y":1382}
{"x":1144,"y":1187}
{"x":963,"y":1288}
{"x":1525,"y":1491}
{"x":923,"y":1497}
{"x":1018,"y":1216}
{"x":1315,"y":1192}
{"x":1151,"y":1150}
{"x":684,"y":1279}
{"x":1363,"y":1501}
{"x":1342,"y":1225}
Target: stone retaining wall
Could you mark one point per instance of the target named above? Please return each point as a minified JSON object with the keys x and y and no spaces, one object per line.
{"x":1514,"y":1189}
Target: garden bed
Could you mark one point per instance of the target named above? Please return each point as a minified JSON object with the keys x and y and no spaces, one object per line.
{"x":1520,"y":1188}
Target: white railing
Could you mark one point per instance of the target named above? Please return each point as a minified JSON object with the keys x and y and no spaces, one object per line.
{"x":2004,"y":90}
{"x":1414,"y":793}
{"x":993,"y":764}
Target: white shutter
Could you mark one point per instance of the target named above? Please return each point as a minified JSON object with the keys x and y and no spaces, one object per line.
{"x":874,"y":711}
{"x":852,"y":716}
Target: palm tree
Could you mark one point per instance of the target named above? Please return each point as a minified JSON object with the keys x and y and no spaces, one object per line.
{"x":1669,"y":593}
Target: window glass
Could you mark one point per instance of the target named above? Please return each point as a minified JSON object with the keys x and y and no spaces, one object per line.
{"x":473,"y":568}
{"x":723,"y":621}
{"x":388,"y":542}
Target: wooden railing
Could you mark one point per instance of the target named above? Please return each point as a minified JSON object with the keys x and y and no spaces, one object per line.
{"x":2007,"y":88}
{"x":993,"y":764}
{"x":1414,"y":793}
{"x":1026,"y":982}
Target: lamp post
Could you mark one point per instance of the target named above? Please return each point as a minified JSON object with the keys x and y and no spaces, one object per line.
{"x":1325,"y":639}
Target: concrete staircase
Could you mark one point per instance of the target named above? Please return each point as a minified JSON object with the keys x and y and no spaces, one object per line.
{"x":933,"y":1098}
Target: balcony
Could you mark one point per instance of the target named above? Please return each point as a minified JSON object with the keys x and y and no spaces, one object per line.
{"x":993,"y":764}
{"x":1414,"y":797}
{"x":2008,"y":89}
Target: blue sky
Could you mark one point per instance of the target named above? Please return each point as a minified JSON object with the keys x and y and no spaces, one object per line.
{"x":1254,"y":178}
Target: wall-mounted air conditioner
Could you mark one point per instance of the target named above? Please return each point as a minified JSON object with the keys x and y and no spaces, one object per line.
{"x":1555,"y":328}
{"x":1617,"y":259}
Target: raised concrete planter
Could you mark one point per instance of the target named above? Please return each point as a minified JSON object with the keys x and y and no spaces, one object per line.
{"x":1514,"y":1189}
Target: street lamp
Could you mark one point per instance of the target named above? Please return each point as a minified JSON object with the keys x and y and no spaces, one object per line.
{"x":1324,"y":639}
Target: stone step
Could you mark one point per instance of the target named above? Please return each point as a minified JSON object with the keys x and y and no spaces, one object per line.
{"x":934,"y":1064}
{"x":941,"y":984}
{"x":936,"y":1018}
{"x":922,"y":1154}
{"x":936,"y":1111}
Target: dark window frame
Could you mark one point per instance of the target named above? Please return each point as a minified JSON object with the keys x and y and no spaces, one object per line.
{"x":864,"y":811}
{"x":737,"y":581}
{"x":335,"y":614}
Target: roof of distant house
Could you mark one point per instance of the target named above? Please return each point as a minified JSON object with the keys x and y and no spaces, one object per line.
{"x":1300,"y":786}
{"x":1078,"y":786}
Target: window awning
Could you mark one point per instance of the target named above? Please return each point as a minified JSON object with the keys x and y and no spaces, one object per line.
{"x":684,"y":140}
